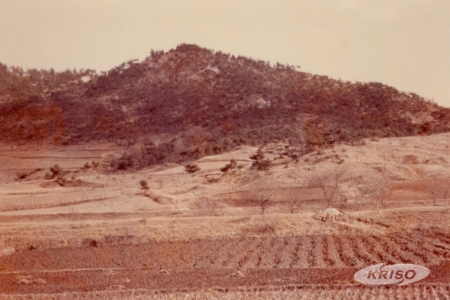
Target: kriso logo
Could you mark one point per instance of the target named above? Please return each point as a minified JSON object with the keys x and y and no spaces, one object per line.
{"x":391,"y":274}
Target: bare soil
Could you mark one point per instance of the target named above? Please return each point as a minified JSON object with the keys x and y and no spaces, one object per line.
{"x":109,"y":239}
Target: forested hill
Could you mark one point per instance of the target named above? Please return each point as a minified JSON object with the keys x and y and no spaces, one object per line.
{"x":208,"y":102}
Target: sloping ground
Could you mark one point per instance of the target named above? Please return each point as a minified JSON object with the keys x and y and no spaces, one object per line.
{"x":29,"y":157}
{"x":110,"y":240}
{"x":410,"y":162}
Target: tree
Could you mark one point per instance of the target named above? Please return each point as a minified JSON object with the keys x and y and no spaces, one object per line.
{"x":432,"y":188}
{"x":58,"y":174}
{"x":293,"y":193}
{"x":260,"y":162}
{"x":328,"y":182}
{"x":436,"y":187}
{"x":446,"y":190}
{"x":294,"y":198}
{"x":261,"y":192}
{"x":259,"y":155}
{"x":378,"y":189}
{"x":56,"y":171}
{"x":208,"y":205}
{"x":144,"y":185}
{"x":191,"y":168}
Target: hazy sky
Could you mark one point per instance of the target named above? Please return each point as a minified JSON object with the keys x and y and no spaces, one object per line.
{"x":402,"y":43}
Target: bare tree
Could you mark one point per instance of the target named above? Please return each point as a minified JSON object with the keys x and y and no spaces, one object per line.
{"x":442,"y":187}
{"x":262,"y":193}
{"x":432,"y":188}
{"x":293,"y":193}
{"x":445,"y":191}
{"x":293,"y":196}
{"x":208,"y":205}
{"x":437,"y":187}
{"x":378,"y":189}
{"x":328,"y":182}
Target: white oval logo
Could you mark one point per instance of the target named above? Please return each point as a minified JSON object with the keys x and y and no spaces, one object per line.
{"x":391,"y":274}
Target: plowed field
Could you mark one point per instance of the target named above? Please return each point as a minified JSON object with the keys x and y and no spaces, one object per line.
{"x":320,"y":266}
{"x":199,"y":237}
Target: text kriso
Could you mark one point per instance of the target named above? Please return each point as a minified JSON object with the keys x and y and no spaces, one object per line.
{"x":384,"y":274}
{"x":394,"y":274}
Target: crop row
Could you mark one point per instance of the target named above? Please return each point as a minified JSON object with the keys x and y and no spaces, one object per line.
{"x":311,"y":251}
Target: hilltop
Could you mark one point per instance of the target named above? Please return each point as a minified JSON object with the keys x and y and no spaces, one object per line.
{"x":191,"y":102}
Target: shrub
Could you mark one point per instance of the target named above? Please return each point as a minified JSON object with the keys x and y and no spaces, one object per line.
{"x":144,"y":185}
{"x":258,"y":156}
{"x":191,"y":168}
{"x":263,"y":165}
{"x":230,"y":166}
{"x":56,"y":171}
{"x":260,"y":162}
{"x":24,"y":175}
{"x":125,"y":162}
{"x":21,"y":175}
{"x":61,"y":181}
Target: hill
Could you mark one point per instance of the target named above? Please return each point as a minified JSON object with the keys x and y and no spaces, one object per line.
{"x":80,"y":231}
{"x":190,"y":102}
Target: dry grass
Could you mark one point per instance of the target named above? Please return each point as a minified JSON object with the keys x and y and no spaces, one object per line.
{"x":201,"y":212}
{"x":294,"y":292}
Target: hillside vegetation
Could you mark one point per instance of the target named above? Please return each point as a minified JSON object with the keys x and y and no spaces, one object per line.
{"x":190,"y":102}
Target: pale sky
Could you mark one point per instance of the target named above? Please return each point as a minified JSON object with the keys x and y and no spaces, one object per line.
{"x":402,"y":43}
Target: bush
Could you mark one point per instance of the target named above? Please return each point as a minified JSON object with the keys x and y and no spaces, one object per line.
{"x":125,"y":162}
{"x":21,"y":175}
{"x":144,"y":184}
{"x":56,"y":171}
{"x":191,"y":168}
{"x":263,"y":165}
{"x":24,"y":175}
{"x":61,"y":181}
{"x":230,"y":166}
{"x":260,"y":162}
{"x":258,"y":156}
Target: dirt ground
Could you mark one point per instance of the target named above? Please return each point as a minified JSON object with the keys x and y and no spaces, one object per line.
{"x":202,"y":236}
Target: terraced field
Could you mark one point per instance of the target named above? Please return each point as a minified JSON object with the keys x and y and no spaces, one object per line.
{"x":319,"y":266}
{"x":107,"y":239}
{"x":244,"y":253}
